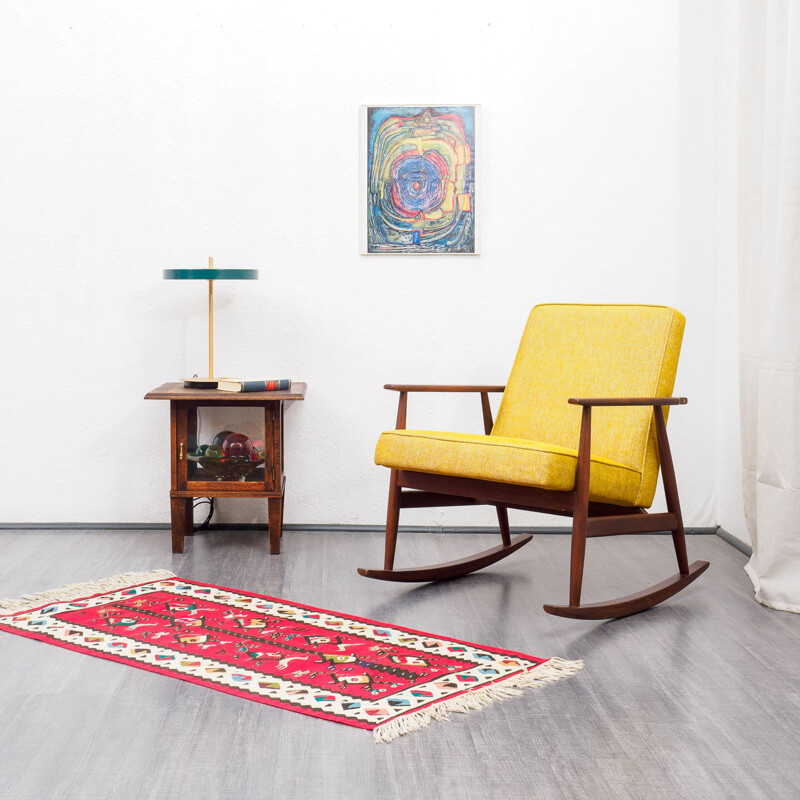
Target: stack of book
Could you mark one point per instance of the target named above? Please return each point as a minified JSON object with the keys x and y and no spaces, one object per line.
{"x":235,"y":385}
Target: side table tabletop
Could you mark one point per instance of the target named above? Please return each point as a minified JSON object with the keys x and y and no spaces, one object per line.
{"x":269,"y":482}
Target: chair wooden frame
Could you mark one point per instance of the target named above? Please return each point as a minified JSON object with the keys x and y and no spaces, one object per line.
{"x":409,"y":489}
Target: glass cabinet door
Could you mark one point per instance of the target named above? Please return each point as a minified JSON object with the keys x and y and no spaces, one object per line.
{"x":225,"y":445}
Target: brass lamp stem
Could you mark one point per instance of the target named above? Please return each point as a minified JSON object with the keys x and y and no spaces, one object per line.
{"x":211,"y":322}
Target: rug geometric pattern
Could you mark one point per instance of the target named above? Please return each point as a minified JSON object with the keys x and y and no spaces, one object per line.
{"x":329,"y":665}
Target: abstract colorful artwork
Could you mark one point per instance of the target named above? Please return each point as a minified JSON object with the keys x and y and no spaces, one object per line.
{"x":384,"y":678}
{"x":419,"y":186}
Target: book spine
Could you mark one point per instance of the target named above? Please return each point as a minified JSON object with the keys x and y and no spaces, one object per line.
{"x":267,"y":386}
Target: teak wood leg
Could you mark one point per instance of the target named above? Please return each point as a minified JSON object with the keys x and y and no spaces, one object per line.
{"x":189,"y":528}
{"x":283,"y":505}
{"x":583,"y":526}
{"x":436,"y":572}
{"x":580,"y":514}
{"x":502,"y":520}
{"x":275,"y":506}
{"x":392,"y":521}
{"x":671,"y":491}
{"x":181,"y":513}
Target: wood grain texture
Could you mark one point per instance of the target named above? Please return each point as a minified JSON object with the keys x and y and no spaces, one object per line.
{"x":628,"y":401}
{"x":423,"y":387}
{"x":580,"y":514}
{"x":268,"y":482}
{"x":695,"y":699}
{"x":449,"y":569}
{"x":630,"y":523}
{"x":671,"y":489}
{"x":632,"y":603}
{"x":177,"y":391}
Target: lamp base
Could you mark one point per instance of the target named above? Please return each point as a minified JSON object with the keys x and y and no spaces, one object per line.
{"x":200,"y":383}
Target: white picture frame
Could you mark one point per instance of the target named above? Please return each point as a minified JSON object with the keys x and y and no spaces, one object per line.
{"x":419,"y":179}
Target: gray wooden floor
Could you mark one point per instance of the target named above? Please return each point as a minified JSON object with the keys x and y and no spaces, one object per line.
{"x":699,"y":698}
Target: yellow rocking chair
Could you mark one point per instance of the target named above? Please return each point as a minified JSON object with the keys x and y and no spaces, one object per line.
{"x":543,"y":454}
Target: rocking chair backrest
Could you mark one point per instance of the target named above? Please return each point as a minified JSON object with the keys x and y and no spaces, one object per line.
{"x":594,"y":351}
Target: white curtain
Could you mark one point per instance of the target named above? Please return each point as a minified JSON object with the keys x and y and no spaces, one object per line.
{"x":769,"y":264}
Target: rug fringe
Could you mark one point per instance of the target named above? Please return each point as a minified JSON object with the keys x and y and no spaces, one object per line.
{"x":552,"y":670}
{"x":75,"y":590}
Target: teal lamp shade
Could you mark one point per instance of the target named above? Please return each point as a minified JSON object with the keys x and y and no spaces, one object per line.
{"x":210,"y":274}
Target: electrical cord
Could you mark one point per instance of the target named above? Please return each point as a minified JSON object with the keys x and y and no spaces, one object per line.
{"x":204,"y":524}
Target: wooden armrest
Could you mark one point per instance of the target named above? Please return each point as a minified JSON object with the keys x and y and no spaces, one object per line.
{"x":414,"y":387}
{"x":405,"y":388}
{"x":628,"y":401}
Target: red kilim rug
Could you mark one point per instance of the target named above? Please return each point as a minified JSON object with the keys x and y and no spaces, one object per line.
{"x":359,"y":672}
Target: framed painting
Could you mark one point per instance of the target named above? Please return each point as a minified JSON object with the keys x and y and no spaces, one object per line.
{"x":418,"y":180}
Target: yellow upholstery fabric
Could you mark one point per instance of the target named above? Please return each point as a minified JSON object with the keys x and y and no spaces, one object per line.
{"x":497,"y":458}
{"x":566,"y":351}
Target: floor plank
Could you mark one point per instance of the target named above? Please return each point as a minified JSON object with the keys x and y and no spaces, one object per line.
{"x":697,"y":698}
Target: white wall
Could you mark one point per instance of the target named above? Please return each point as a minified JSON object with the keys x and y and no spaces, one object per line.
{"x":138,"y":136}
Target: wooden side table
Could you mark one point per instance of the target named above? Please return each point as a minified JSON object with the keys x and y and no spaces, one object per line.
{"x":190,"y":479}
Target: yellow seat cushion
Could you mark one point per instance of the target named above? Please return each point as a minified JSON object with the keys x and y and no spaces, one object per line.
{"x":566,"y":351}
{"x":505,"y":460}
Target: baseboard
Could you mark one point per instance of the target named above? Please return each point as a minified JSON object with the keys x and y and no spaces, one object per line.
{"x":741,"y":546}
{"x":151,"y":526}
{"x":729,"y":538}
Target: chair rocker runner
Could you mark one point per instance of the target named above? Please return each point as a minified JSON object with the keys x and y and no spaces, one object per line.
{"x":542,"y":453}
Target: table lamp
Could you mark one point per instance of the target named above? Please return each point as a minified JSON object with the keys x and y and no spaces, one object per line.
{"x":209,"y":275}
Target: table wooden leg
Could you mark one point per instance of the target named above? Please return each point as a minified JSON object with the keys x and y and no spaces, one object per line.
{"x":181,"y":512}
{"x":275,"y":524}
{"x":188,"y":529}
